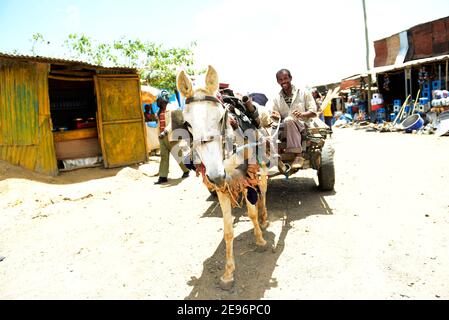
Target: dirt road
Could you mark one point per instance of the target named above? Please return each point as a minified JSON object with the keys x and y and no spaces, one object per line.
{"x":112,"y":234}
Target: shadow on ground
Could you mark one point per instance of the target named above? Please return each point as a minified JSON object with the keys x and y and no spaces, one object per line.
{"x":287,"y":200}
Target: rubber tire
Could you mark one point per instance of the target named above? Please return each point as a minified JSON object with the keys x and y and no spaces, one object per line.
{"x":326,"y":172}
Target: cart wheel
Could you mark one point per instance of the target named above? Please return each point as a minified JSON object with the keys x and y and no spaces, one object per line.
{"x":326,"y":172}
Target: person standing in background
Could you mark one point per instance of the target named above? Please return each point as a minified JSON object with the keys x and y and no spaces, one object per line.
{"x":165,"y":138}
{"x":328,"y":113}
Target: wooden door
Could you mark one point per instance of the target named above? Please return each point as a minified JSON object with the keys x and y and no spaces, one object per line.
{"x":121,"y":126}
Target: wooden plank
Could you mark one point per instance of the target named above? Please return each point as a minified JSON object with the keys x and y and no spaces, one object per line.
{"x":75,"y":149}
{"x":75,"y":134}
{"x":69,"y":78}
{"x":73,"y":73}
{"x":122,"y":121}
{"x":130,"y":75}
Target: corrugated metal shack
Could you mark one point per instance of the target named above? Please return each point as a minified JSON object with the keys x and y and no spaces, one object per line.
{"x":411,"y":60}
{"x":53,"y":111}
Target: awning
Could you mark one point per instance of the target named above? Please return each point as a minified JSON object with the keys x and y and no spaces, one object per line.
{"x":149,"y":94}
{"x":408,"y":64}
{"x":354,"y":80}
{"x":399,"y":66}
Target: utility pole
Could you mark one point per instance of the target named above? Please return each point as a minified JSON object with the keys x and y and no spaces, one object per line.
{"x":368,"y":104}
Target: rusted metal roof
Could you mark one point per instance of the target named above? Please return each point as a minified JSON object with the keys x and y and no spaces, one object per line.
{"x":62,"y":61}
{"x":425,"y":40}
{"x":429,"y":39}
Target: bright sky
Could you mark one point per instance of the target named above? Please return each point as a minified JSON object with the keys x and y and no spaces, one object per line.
{"x":247,"y":41}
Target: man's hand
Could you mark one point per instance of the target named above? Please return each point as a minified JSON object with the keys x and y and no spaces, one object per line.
{"x":275,"y":115}
{"x":298,"y":114}
{"x":233,"y":122}
{"x":162,"y":134}
{"x":303,"y":115}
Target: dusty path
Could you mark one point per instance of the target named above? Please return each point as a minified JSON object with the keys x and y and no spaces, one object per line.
{"x":112,"y":234}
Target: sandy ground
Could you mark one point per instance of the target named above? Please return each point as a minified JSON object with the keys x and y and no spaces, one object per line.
{"x":111,"y":234}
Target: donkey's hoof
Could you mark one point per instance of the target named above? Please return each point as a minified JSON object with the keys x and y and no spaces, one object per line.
{"x":226,"y":285}
{"x":262,"y":247}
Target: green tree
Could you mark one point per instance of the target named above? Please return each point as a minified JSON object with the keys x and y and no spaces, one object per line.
{"x":81,"y":47}
{"x":157,"y":66}
{"x":37,"y":39}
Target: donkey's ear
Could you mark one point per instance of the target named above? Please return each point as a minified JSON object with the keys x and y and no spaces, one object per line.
{"x":211,"y":81}
{"x":184,"y":84}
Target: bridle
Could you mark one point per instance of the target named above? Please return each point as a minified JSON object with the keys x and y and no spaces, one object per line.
{"x":224,"y":119}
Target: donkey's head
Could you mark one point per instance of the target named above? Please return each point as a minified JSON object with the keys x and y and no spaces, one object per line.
{"x":205,"y":114}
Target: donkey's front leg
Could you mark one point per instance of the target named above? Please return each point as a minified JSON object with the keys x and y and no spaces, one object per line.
{"x":262,"y":200}
{"x":227,"y":279}
{"x":253,"y":215}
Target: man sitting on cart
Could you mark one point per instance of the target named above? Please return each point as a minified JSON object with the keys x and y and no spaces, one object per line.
{"x":294,"y":106}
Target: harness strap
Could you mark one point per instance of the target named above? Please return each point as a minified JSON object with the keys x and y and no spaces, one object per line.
{"x":202,"y":98}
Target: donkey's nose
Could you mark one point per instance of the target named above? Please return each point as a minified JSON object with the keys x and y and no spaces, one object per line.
{"x":218,"y":180}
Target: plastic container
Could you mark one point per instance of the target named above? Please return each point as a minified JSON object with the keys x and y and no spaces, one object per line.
{"x":426,"y":94}
{"x":413,"y":122}
{"x":437,"y":94}
{"x":436,"y":85}
{"x":392,"y":116}
{"x":423,"y":100}
{"x":381,"y":116}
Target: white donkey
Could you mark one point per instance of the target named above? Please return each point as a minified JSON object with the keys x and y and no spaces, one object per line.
{"x":230,"y":179}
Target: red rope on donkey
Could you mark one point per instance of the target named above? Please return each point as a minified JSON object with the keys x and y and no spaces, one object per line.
{"x":235,"y":186}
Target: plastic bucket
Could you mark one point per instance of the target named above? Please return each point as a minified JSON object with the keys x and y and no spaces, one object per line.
{"x":413,"y":122}
{"x":392,"y":116}
{"x":381,"y":115}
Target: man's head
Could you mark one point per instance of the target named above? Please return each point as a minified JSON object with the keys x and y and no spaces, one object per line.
{"x":163,"y":98}
{"x":284,"y":78}
{"x":147,"y":108}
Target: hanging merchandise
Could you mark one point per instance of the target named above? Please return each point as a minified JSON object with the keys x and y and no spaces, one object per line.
{"x":386,"y":83}
{"x":432,"y":75}
{"x":423,"y":76}
{"x":362,"y":83}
